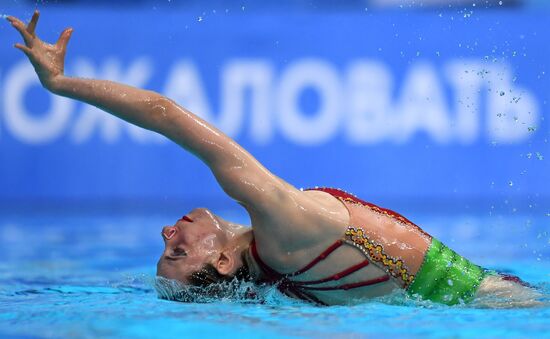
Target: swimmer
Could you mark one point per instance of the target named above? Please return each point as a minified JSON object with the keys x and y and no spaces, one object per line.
{"x":321,"y":245}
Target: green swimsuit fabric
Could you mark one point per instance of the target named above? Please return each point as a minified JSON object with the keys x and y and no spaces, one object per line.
{"x":446,"y":277}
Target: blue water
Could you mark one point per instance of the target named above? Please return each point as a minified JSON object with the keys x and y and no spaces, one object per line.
{"x":89,"y":275}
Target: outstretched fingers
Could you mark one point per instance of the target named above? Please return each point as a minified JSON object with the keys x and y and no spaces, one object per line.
{"x":64,"y":39}
{"x":20,"y":27}
{"x":23,"y":48}
{"x":32,"y":25}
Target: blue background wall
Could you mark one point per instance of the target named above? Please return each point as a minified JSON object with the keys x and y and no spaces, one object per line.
{"x":408,"y":106}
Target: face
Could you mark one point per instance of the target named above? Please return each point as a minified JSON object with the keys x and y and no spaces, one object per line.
{"x":195,"y":240}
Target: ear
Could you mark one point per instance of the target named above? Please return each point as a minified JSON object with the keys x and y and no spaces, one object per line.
{"x":225,"y":263}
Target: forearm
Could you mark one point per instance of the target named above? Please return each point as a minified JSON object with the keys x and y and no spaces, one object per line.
{"x":239,"y":174}
{"x":137,"y":106}
{"x":152,"y":111}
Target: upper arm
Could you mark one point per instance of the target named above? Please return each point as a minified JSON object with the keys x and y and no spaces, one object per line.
{"x":277,"y":209}
{"x":239,"y":174}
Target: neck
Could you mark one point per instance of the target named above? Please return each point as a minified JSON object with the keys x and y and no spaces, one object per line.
{"x":254,"y":269}
{"x":232,"y":231}
{"x":241,"y":244}
{"x":242,"y":240}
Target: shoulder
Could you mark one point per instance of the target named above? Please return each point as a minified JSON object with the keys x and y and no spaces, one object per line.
{"x":298,"y":219}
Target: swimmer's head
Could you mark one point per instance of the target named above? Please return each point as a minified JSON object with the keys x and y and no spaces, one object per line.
{"x":198,"y":250}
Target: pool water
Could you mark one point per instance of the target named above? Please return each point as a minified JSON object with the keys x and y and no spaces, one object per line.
{"x":90,"y":275}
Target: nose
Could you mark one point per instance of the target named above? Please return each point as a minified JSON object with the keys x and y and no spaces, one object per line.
{"x":168,"y":232}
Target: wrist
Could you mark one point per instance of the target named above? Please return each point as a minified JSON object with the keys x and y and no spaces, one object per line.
{"x":55,"y":84}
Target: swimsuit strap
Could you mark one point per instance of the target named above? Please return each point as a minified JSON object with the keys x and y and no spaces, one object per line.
{"x":274,"y":275}
{"x":295,"y":287}
{"x":350,"y":286}
{"x":286,"y":285}
{"x":348,"y":197}
{"x":319,"y":258}
{"x":336,"y":276}
{"x":271,"y":274}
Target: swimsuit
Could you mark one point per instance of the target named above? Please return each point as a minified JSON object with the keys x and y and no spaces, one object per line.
{"x":444,"y":276}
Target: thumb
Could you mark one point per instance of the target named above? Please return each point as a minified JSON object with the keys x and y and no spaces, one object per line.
{"x":64,"y":38}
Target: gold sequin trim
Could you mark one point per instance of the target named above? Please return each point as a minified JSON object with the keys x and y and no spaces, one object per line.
{"x":395,"y":267}
{"x":377,"y":209}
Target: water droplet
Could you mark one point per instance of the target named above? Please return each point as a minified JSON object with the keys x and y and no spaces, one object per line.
{"x":500,"y":3}
{"x":199,"y":19}
{"x":510,"y":183}
{"x":502,"y":93}
{"x":539,"y":156}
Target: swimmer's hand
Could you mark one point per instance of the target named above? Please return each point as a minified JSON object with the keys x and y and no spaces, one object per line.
{"x":48,"y":60}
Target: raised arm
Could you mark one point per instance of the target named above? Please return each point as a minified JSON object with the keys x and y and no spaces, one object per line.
{"x":239,"y":173}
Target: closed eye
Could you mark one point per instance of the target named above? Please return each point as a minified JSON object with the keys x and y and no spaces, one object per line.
{"x":179,"y":252}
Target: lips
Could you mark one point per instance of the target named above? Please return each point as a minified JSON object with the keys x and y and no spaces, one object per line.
{"x":186,"y":218}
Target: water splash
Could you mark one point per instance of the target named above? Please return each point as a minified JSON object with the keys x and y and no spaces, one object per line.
{"x":232,"y":291}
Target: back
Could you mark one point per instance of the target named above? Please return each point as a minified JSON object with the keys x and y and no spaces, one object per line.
{"x":370,"y":254}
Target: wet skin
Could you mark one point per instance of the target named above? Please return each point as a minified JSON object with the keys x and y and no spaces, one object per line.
{"x":291,"y":227}
{"x":190,"y":243}
{"x":180,"y":257}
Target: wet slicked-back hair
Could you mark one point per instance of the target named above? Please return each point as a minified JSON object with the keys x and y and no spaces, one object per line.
{"x":209,"y":275}
{"x":207,"y":284}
